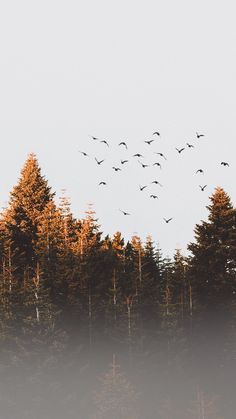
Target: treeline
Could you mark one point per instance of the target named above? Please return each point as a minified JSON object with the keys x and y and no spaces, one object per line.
{"x":59,"y":279}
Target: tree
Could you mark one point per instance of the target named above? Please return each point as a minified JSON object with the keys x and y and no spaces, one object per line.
{"x":117,"y":398}
{"x":22,"y":218}
{"x":213,"y":253}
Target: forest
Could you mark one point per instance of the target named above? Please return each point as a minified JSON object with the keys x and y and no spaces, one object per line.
{"x":93,"y":327}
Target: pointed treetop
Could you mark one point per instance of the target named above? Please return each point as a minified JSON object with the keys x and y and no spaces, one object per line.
{"x":32,"y":190}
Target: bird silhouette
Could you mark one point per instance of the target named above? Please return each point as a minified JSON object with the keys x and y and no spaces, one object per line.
{"x":156,"y":182}
{"x":94,"y":138}
{"x":99,"y":161}
{"x":156,"y":133}
{"x":116,"y":168}
{"x":157,"y":164}
{"x":224,"y":163}
{"x":162,"y":155}
{"x":202,"y":187}
{"x":142,"y":187}
{"x":153,"y":196}
{"x":190,"y":145}
{"x":167,"y":220}
{"x":200,"y":171}
{"x":124,"y":212}
{"x":137,"y":155}
{"x":199,"y":135}
{"x":149,"y":142}
{"x":179,"y":150}
{"x":143,"y":165}
{"x":102,"y":183}
{"x":84,"y":154}
{"x":124,"y":144}
{"x":124,"y":161}
{"x":105,"y":142}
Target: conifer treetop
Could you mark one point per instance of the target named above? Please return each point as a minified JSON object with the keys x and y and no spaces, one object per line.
{"x":32,"y":190}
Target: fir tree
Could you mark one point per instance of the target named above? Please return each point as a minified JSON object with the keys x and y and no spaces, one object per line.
{"x":213,"y":257}
{"x":117,"y":398}
{"x":22,"y":219}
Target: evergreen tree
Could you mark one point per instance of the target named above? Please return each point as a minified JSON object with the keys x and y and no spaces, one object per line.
{"x":150,"y":284}
{"x":117,"y":398}
{"x":213,"y":253}
{"x":22,"y":219}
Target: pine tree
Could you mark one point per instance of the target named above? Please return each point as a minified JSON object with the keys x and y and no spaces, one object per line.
{"x":149,"y":285}
{"x":22,"y":218}
{"x":213,"y":253}
{"x":117,"y":398}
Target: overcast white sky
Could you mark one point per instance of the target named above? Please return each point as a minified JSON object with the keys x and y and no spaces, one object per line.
{"x":120,"y":70}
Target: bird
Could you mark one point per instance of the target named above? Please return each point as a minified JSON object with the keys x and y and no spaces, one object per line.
{"x":99,"y":161}
{"x":105,"y":142}
{"x":102,"y":183}
{"x":116,"y":168}
{"x":124,"y":212}
{"x":162,"y":155}
{"x":84,"y":154}
{"x":156,"y":182}
{"x":137,"y":155}
{"x":153,"y":196}
{"x":142,"y":187}
{"x":149,"y":142}
{"x":190,"y":145}
{"x":124,"y":161}
{"x":94,"y":138}
{"x":179,"y":150}
{"x":157,"y":164}
{"x":224,"y":163}
{"x":143,"y":165}
{"x":156,"y":133}
{"x":202,"y":187}
{"x":124,"y":144}
{"x":200,"y":171}
{"x":199,"y":135}
{"x":167,"y":220}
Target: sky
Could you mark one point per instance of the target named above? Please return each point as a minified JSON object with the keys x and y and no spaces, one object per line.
{"x":120,"y":71}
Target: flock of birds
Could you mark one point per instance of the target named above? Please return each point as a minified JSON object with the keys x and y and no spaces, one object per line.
{"x":156,"y":135}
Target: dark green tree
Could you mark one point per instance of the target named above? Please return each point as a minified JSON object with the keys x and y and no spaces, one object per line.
{"x":212,"y":264}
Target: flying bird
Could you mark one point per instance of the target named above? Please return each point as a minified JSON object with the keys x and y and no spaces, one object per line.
{"x":149,"y":142}
{"x":124,"y":144}
{"x":84,"y":154}
{"x":156,"y":182}
{"x":156,"y":133}
{"x":102,"y":183}
{"x":99,"y":161}
{"x":162,"y":155}
{"x":137,"y":155}
{"x":116,"y":168}
{"x":199,"y":135}
{"x":153,"y":196}
{"x":94,"y":138}
{"x":200,"y":171}
{"x":179,"y":150}
{"x":190,"y":145}
{"x":167,"y":220}
{"x":143,"y":165}
{"x":142,"y":187}
{"x":105,"y":142}
{"x":202,"y":187}
{"x":224,"y":163}
{"x":124,"y":161}
{"x":124,"y":212}
{"x":157,"y":164}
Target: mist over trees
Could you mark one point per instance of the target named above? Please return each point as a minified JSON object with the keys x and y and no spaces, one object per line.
{"x":65,"y":289}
